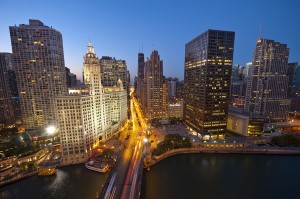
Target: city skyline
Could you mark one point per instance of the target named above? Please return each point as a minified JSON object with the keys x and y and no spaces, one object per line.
{"x":128,"y":30}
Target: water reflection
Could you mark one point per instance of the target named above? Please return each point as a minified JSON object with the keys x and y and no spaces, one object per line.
{"x":74,"y":182}
{"x":223,"y":176}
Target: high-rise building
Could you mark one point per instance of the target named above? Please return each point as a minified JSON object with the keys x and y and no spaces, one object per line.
{"x":141,"y":65}
{"x":297,"y":81}
{"x":267,"y":86}
{"x":153,"y":87}
{"x":171,"y":84}
{"x":71,"y":78}
{"x":237,"y":73}
{"x":247,"y":69}
{"x":164,"y":97}
{"x":112,"y":70}
{"x":40,"y":71}
{"x":6,"y":93}
{"x":89,"y":114}
{"x":179,"y":89}
{"x":238,"y":85}
{"x":140,"y":76}
{"x":291,"y":73}
{"x":207,"y":75}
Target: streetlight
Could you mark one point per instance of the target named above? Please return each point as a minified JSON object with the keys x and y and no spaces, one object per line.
{"x":50,"y":130}
{"x":145,"y":140}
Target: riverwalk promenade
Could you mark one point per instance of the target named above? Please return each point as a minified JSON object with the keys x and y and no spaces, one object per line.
{"x":250,"y":150}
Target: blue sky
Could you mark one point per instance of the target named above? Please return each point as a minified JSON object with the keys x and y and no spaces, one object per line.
{"x":120,"y":28}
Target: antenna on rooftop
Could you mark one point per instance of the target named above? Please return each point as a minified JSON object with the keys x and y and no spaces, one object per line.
{"x":260,"y":30}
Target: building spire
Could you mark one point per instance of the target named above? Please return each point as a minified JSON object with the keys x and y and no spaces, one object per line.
{"x":90,"y":48}
{"x":260,"y":30}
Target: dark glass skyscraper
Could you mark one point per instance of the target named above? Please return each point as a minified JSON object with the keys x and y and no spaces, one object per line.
{"x":6,"y":94}
{"x":291,"y":73}
{"x":207,"y":75}
{"x":140,"y":77}
{"x":141,"y":65}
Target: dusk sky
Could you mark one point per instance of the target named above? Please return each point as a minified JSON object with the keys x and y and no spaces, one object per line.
{"x":120,"y":28}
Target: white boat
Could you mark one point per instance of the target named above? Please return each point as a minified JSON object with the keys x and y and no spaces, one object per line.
{"x":102,"y":168}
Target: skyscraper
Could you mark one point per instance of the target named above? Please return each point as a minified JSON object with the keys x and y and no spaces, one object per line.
{"x":89,"y":114}
{"x":140,"y":76}
{"x":153,"y":84}
{"x":40,"y":71}
{"x":112,"y":70}
{"x":291,"y":73}
{"x":207,"y":74}
{"x":267,"y":86}
{"x":141,"y":65}
{"x":6,"y":94}
{"x":171,"y":84}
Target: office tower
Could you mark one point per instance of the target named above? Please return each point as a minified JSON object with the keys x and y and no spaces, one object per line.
{"x":164,"y":97}
{"x":140,"y":76}
{"x":135,"y":83}
{"x":68,"y":72}
{"x":128,"y":79}
{"x":267,"y":86}
{"x":297,"y":80}
{"x":14,"y":93}
{"x":291,"y":73}
{"x":112,"y":70}
{"x":153,"y":87}
{"x":179,"y":89}
{"x":71,"y":78}
{"x":141,"y":65}
{"x":128,"y":93}
{"x":207,"y":74}
{"x":237,"y":73}
{"x":247,"y":69}
{"x":238,"y":85}
{"x":171,"y":84}
{"x":89,"y":114}
{"x":40,"y":71}
{"x":6,"y":100}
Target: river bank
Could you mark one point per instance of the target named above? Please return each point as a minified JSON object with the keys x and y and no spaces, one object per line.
{"x":252,"y":150}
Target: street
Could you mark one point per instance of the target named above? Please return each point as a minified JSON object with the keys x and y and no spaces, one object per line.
{"x":124,"y":180}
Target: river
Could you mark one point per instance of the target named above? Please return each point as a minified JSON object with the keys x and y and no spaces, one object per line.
{"x":187,"y":176}
{"x":75,"y":182}
{"x":233,"y":176}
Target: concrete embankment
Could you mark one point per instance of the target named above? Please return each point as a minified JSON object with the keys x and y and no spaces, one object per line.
{"x":17,"y":178}
{"x":274,"y":151}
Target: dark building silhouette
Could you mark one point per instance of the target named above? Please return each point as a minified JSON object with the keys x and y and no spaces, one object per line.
{"x":207,"y":76}
{"x":291,"y":73}
{"x":6,"y":92}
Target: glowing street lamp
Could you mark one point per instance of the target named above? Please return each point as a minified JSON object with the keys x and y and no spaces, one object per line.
{"x":145,"y":140}
{"x":50,"y":130}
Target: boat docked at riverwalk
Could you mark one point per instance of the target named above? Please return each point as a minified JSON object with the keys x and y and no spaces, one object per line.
{"x":95,"y":166}
{"x":47,"y":172}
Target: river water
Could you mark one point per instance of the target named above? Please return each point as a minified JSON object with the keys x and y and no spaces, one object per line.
{"x":234,"y":176}
{"x":74,"y":182}
{"x":188,"y":176}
